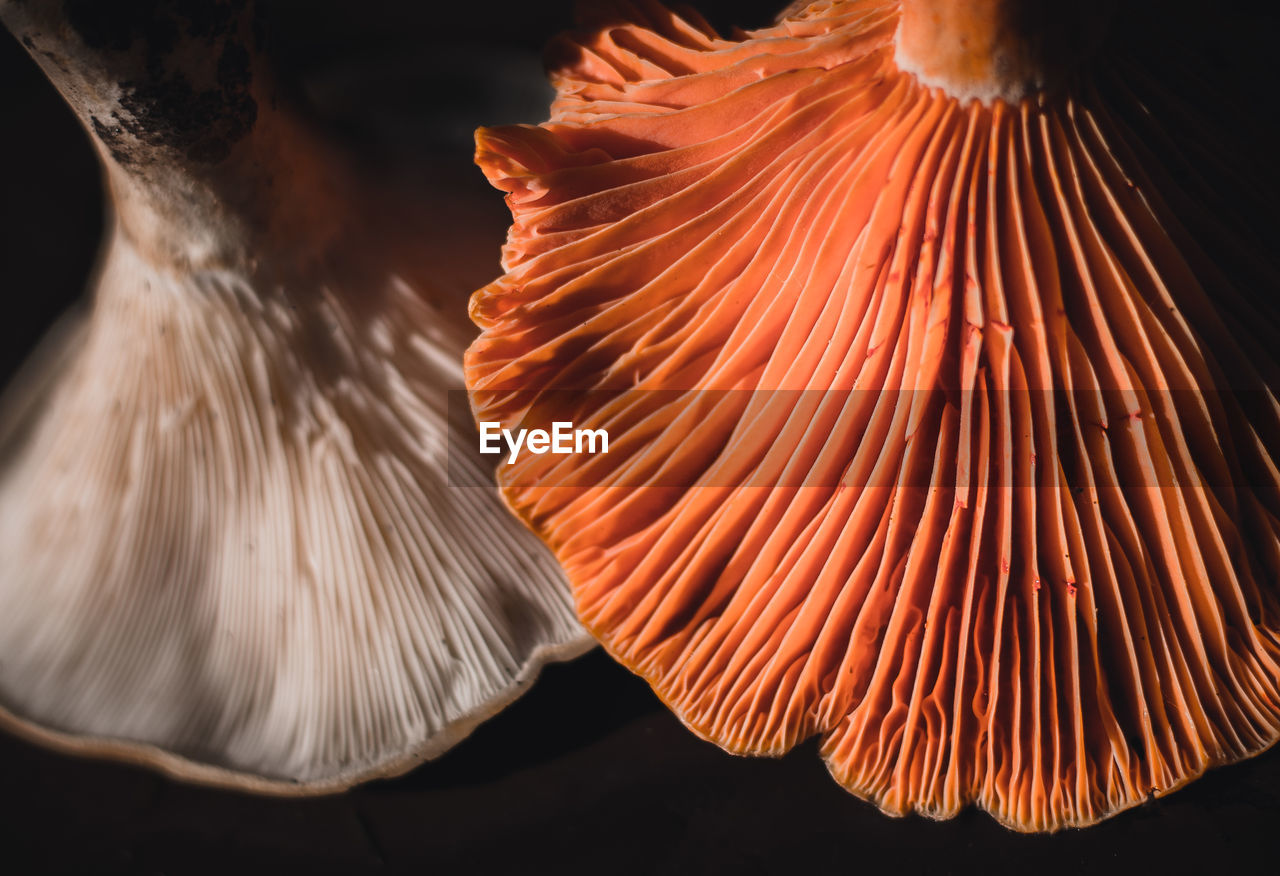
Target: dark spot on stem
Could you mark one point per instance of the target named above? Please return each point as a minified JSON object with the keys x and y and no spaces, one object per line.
{"x":163,"y":102}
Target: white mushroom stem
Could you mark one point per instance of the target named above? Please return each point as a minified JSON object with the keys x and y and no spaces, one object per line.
{"x":249,"y":538}
{"x":990,"y":50}
{"x":202,"y":159}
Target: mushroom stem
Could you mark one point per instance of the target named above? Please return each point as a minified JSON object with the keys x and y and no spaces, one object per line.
{"x":996,"y":49}
{"x":199,"y":154}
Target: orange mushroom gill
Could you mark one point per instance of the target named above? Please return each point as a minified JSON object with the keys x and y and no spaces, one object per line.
{"x":935,"y":431}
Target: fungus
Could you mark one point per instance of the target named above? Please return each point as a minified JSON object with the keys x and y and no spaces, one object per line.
{"x":244,"y":537}
{"x":935,"y":432}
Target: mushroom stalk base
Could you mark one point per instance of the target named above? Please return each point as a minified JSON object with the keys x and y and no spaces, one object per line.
{"x":990,"y":50}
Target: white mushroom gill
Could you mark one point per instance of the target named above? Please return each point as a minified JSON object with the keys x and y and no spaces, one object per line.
{"x":245,"y":537}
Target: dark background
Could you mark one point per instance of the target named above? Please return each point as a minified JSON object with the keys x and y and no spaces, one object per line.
{"x":588,"y":772}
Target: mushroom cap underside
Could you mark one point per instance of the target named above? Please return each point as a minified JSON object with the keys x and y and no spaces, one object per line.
{"x":245,"y":535}
{"x":943,"y":431}
{"x":248,"y":539}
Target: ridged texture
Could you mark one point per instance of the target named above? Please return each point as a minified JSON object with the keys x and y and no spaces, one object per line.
{"x":250,"y":541}
{"x":972,"y":588}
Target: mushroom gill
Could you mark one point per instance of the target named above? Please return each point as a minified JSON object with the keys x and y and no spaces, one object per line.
{"x":935,"y":428}
{"x":244,"y":535}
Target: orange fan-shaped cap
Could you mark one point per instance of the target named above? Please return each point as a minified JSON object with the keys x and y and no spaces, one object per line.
{"x":933,"y":431}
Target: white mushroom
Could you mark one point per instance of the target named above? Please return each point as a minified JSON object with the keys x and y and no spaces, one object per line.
{"x":244,"y":532}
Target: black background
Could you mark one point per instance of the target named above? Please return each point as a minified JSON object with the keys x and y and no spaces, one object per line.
{"x":588,"y":772}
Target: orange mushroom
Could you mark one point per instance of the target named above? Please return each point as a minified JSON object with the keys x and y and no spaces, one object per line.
{"x":933,"y":431}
